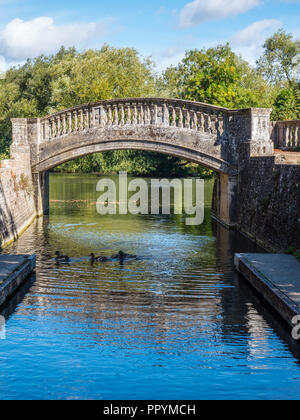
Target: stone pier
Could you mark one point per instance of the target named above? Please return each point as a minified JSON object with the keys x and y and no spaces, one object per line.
{"x":14,"y":270}
{"x":277,"y":278}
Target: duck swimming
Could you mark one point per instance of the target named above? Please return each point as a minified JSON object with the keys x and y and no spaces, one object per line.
{"x":122,"y":256}
{"x":97,"y":259}
{"x":61,"y":258}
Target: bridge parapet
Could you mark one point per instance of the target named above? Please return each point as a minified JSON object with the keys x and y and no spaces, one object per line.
{"x":137,"y":111}
{"x":203,"y":133}
{"x":286,"y":134}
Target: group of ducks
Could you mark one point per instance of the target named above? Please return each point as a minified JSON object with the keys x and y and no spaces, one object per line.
{"x":121,"y":256}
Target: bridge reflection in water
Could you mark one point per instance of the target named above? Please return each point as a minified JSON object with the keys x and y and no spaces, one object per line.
{"x":175,"y":324}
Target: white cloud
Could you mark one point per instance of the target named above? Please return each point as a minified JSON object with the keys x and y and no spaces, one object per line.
{"x":254,"y":32}
{"x":249,"y":41}
{"x":3,"y":65}
{"x":200,"y":11}
{"x":27,"y":39}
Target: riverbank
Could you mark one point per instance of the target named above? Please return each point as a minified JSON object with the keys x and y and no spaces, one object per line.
{"x":14,"y":270}
{"x":276,"y":277}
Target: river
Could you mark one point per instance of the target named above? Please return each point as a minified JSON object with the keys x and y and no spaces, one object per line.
{"x":178,"y":323}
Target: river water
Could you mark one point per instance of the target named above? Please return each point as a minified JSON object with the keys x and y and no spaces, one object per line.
{"x":177,"y":323}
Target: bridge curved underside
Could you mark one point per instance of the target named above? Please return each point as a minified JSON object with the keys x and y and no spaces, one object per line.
{"x":201,"y":133}
{"x":199,"y":149}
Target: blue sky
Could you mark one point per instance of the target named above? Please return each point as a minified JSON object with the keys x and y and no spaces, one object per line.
{"x":162,"y":29}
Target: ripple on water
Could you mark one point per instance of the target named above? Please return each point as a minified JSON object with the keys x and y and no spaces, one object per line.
{"x":175,"y":324}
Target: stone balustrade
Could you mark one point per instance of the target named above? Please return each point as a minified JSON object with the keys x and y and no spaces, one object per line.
{"x":286,"y":134}
{"x":132,"y":112}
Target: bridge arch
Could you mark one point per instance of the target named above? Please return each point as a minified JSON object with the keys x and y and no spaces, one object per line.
{"x":205,"y":134}
{"x":210,"y":162}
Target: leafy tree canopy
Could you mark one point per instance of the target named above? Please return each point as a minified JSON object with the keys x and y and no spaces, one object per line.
{"x":281,"y":59}
{"x":217,"y":76}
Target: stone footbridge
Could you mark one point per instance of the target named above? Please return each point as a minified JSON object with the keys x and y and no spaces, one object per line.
{"x":205,"y":134}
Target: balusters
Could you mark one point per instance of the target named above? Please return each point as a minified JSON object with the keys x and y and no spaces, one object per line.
{"x":187,"y":117}
{"x":207,"y":124}
{"x":69,"y":115}
{"x":296,"y":135}
{"x":140,"y":118}
{"x":128,"y":114}
{"x":134,"y":114}
{"x":166,"y":116}
{"x":122,"y":114}
{"x":58,"y":125}
{"x":282,"y":136}
{"x":201,"y":122}
{"x":64,"y":124}
{"x":53,"y":127}
{"x":101,"y":116}
{"x":174,"y":117}
{"x":213,"y":124}
{"x":220,"y":128}
{"x":148,"y":114}
{"x":80,"y":120}
{"x":193,"y":120}
{"x":154,"y":114}
{"x":75,"y":113}
{"x":115,"y":115}
{"x":93,"y":117}
{"x":109,"y":116}
{"x":180,"y":118}
{"x":287,"y":136}
{"x":157,"y":113}
{"x":86,"y":119}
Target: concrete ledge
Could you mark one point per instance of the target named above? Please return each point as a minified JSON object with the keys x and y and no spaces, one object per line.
{"x":12,"y":237}
{"x":14,"y":270}
{"x":276,"y":277}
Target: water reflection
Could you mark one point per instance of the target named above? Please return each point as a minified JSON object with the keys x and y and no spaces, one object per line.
{"x":177,"y":323}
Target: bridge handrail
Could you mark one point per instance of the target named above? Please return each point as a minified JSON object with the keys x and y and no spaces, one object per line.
{"x":286,"y":134}
{"x":136,"y":111}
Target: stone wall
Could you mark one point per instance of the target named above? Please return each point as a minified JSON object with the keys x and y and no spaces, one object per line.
{"x":269,"y":202}
{"x":17,"y":203}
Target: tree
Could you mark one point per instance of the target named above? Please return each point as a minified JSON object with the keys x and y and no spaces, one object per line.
{"x":101,"y":74}
{"x":280,"y":60}
{"x":287,"y":105}
{"x":207,"y":76}
{"x":219,"y":77}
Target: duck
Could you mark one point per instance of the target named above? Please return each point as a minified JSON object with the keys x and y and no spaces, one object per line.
{"x":122,"y":255}
{"x":97,"y":259}
{"x":61,"y":258}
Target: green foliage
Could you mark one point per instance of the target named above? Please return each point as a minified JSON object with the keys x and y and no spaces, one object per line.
{"x":96,"y":75}
{"x":280,"y":61}
{"x":217,"y":76}
{"x":69,"y":78}
{"x":286,"y":105}
{"x":205,"y":76}
{"x":135,"y":163}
